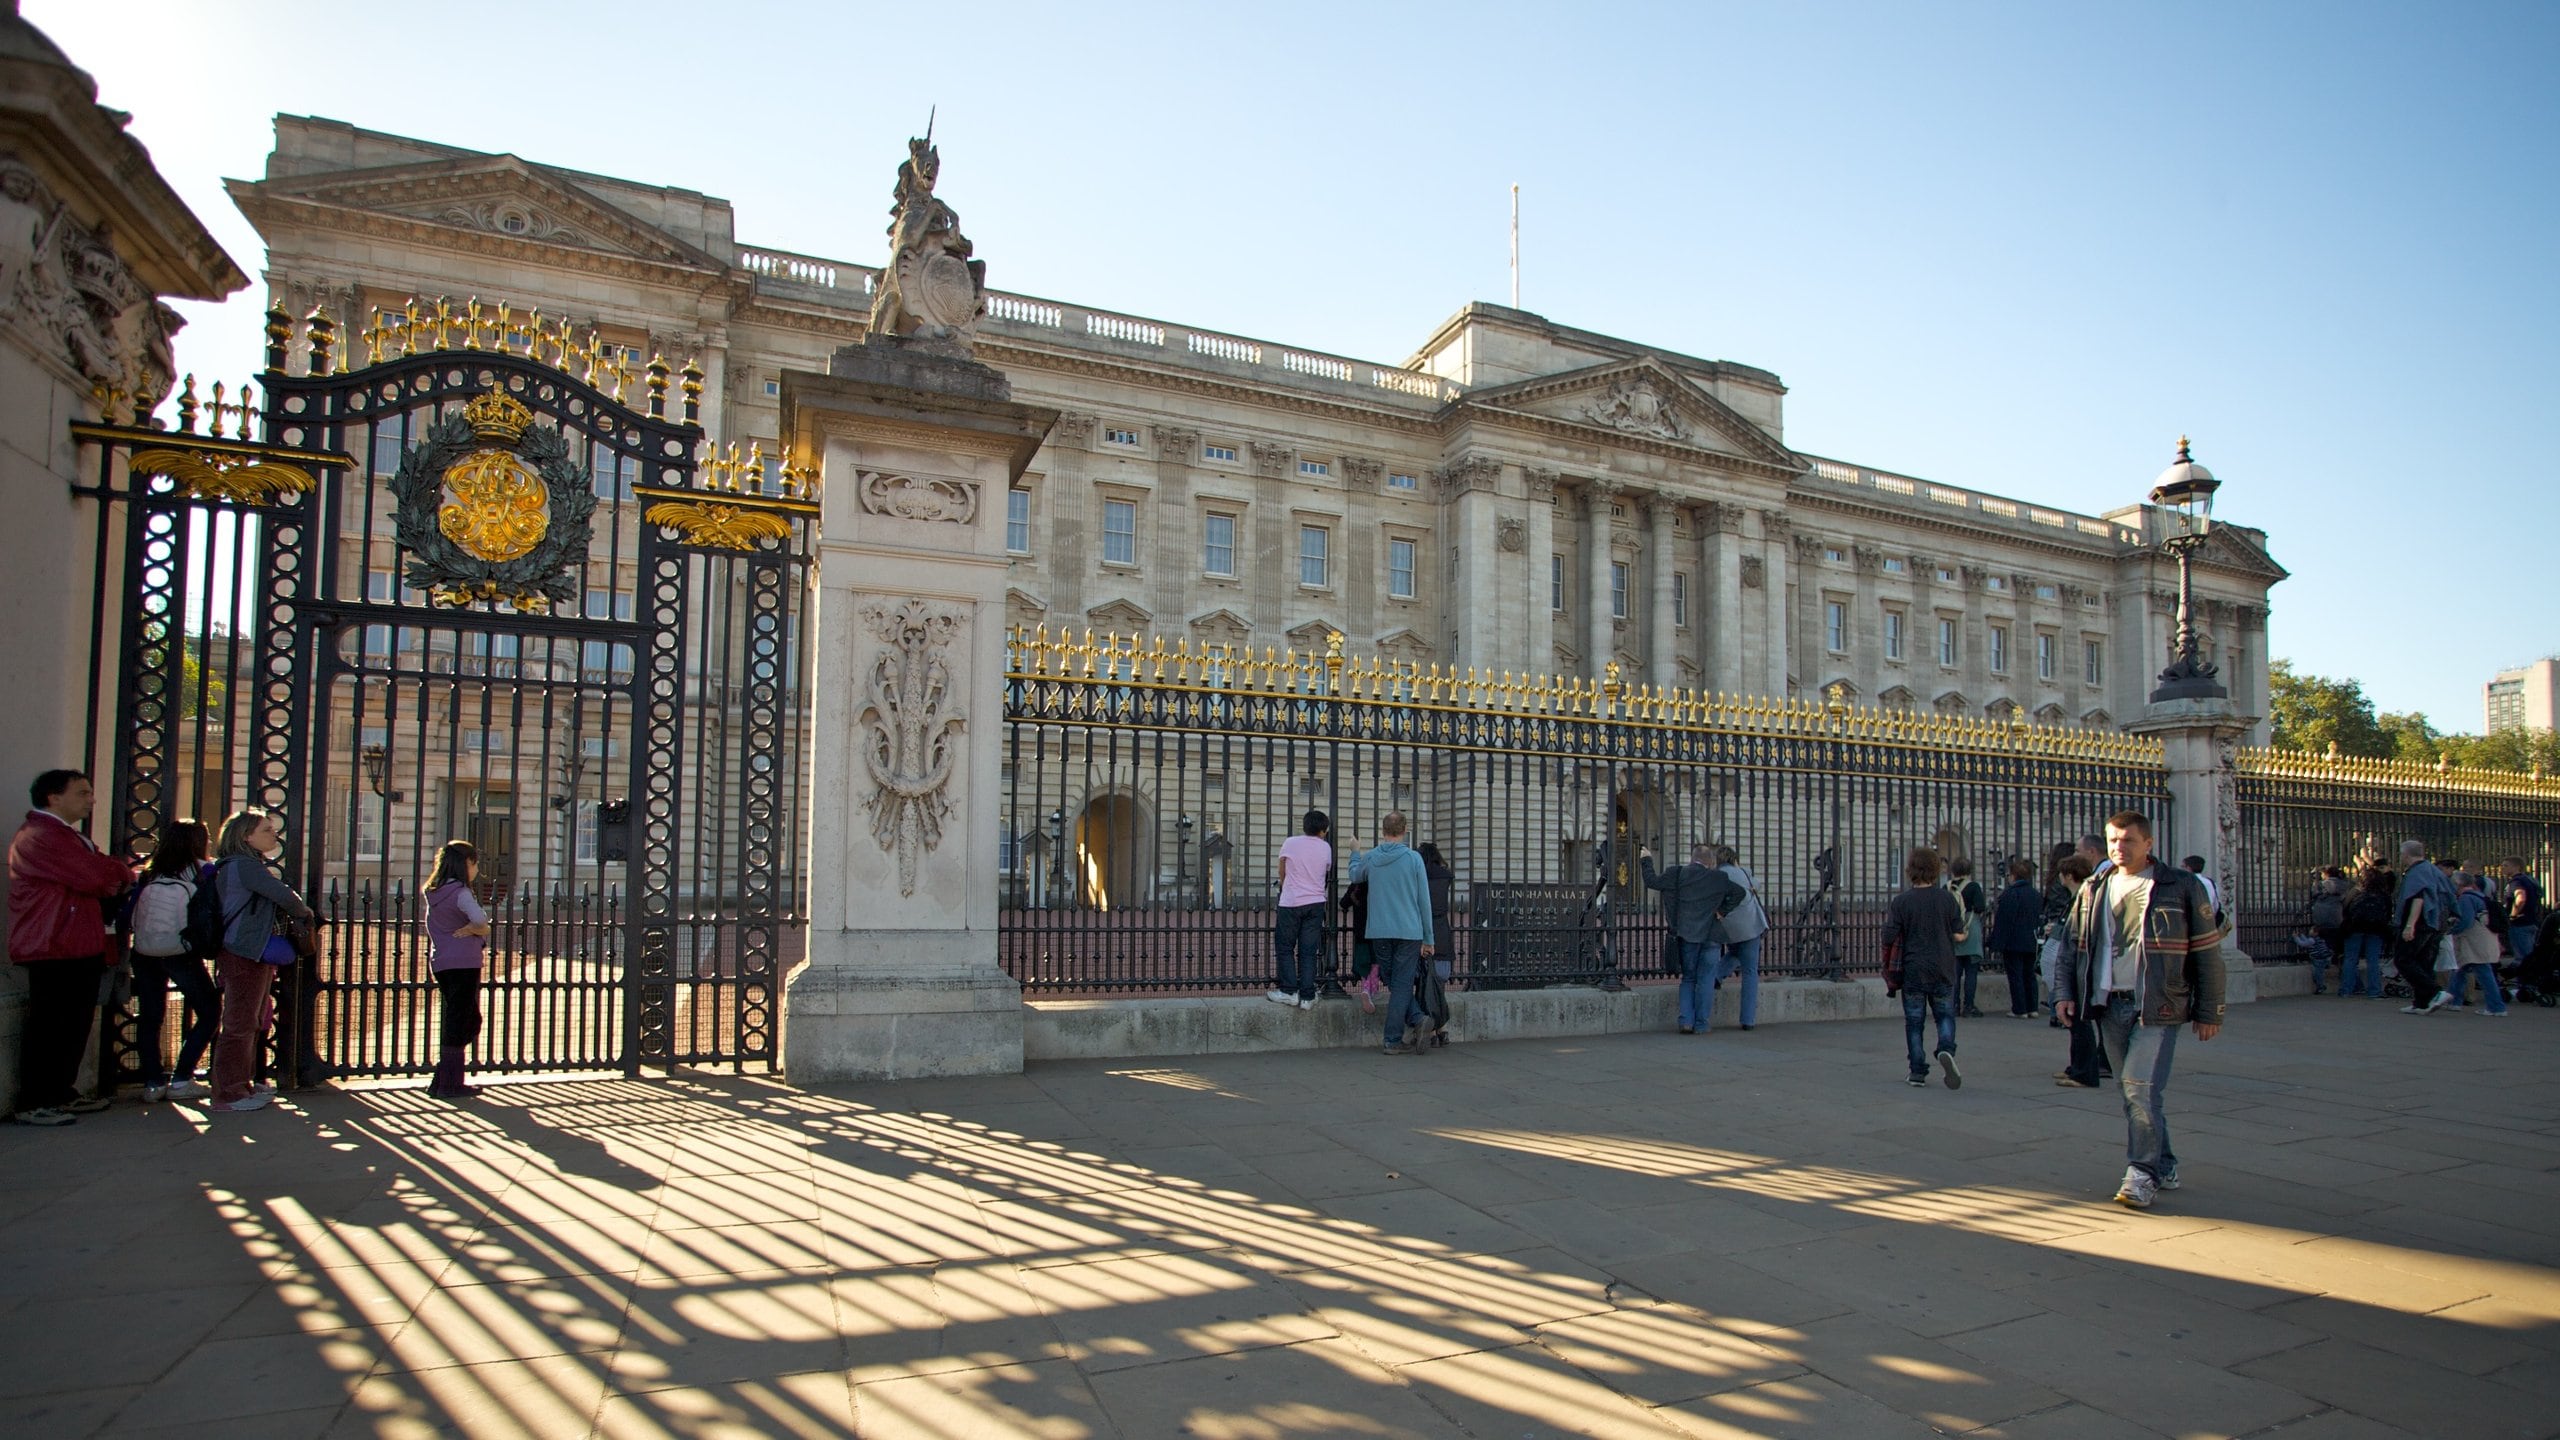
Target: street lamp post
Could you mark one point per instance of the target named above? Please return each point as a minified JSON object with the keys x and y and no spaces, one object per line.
{"x":1058,"y":856}
{"x":2186,"y":490}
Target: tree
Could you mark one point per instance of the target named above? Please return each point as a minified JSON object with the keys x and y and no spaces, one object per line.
{"x":2311,"y":712}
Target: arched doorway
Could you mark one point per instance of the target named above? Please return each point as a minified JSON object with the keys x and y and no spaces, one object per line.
{"x":1114,"y":853}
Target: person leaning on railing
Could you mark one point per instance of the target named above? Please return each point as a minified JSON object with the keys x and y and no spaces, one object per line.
{"x":254,"y":902}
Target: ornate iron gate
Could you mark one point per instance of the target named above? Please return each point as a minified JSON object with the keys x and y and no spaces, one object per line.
{"x":460,"y":590}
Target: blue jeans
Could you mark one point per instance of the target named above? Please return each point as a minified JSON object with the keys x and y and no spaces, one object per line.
{"x":2520,"y":941}
{"x":2141,"y":1055}
{"x":1697,"y":983}
{"x":2364,"y":949}
{"x":152,"y":977}
{"x":1398,"y":960}
{"x":1742,"y":957}
{"x":2490,"y":994}
{"x":1916,"y":1004}
{"x":1968,"y":977}
{"x":1299,"y":935}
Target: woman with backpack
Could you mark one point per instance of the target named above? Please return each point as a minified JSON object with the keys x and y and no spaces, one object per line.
{"x":458,"y":928}
{"x":176,"y":927}
{"x":1741,"y":932}
{"x":255,"y":903}
{"x":2327,"y":907}
{"x":2368,"y":928}
{"x":1977,"y":908}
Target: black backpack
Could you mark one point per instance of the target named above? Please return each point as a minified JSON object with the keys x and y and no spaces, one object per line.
{"x":2370,"y":910}
{"x":203,"y":932}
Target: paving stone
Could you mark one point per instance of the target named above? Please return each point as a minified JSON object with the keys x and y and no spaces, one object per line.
{"x":1918,"y":1377}
{"x":1805,"y":1407}
{"x":62,"y":1414}
{"x":2420,"y":1398}
{"x":1527,"y":1392}
{"x":255,"y":1376}
{"x":1048,"y":1400}
{"x":2134,"y":1382}
{"x":1117,"y":1313}
{"x":1321,"y":1387}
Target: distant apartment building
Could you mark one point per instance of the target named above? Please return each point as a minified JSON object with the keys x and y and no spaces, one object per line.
{"x":2526,"y":698}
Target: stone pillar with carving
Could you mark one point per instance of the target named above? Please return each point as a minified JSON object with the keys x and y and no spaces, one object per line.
{"x":1600,"y":622}
{"x":1662,"y":653}
{"x":1540,"y":658}
{"x":1719,"y":600}
{"x":1777,"y":539}
{"x":2200,"y":743}
{"x":917,"y":444}
{"x":91,"y":238}
{"x":904,"y":788}
{"x":1476,"y":522}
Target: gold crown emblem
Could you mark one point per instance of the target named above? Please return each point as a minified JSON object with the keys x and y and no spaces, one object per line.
{"x":496,"y":416}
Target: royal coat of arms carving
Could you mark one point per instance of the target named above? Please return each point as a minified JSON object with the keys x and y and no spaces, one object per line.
{"x":490,"y":508}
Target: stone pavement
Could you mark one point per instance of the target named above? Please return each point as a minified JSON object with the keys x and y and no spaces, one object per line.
{"x":1761,"y":1234}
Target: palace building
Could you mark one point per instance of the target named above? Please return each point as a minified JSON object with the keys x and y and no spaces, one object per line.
{"x":1514,"y":496}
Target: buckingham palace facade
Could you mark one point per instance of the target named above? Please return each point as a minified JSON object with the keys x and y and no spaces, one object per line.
{"x":1514,"y":496}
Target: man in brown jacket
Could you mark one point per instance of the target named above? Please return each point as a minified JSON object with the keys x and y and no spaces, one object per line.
{"x":2142,"y":954}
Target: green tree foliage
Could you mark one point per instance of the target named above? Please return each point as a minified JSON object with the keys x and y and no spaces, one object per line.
{"x":2312,"y":711}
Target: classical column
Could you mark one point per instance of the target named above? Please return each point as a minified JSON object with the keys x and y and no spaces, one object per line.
{"x":1541,"y":656}
{"x":1721,"y":604}
{"x":1476,"y":603}
{"x":917,"y":451}
{"x":1777,"y":537}
{"x":1599,"y":497}
{"x":1175,"y":522}
{"x":1663,"y":654}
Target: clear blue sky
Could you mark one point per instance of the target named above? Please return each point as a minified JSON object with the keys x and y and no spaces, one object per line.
{"x":2014,"y":247}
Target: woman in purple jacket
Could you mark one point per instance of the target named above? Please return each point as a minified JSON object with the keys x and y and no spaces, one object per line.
{"x":459,"y":930}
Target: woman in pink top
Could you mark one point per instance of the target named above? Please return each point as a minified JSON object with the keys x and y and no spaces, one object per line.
{"x":459,"y":930}
{"x":1306,"y":864}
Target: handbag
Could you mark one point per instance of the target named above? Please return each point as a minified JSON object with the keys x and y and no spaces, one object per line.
{"x":2448,"y":959}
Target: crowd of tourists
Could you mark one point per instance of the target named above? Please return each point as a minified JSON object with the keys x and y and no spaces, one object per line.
{"x":209,"y":915}
{"x":2448,"y":928}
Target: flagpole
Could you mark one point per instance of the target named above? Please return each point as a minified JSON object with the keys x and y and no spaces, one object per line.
{"x":1515,"y":247}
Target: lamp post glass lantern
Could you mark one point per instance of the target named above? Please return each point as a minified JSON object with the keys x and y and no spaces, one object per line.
{"x":2186,"y":489}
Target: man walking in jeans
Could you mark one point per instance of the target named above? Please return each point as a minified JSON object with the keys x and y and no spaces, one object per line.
{"x":2142,"y":953}
{"x":1306,"y":862}
{"x":1399,"y":929}
{"x":2426,"y":915}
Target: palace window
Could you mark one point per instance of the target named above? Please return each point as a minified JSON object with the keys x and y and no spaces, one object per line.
{"x":2093,"y":654}
{"x":1399,"y":481}
{"x":1680,"y":599}
{"x":365,"y":808}
{"x":1119,"y":532}
{"x":2048,"y":592}
{"x":1835,"y":627}
{"x":377,"y":638}
{"x":2000,"y":649}
{"x":1120,"y":437}
{"x":1946,"y":641}
{"x":1946,"y":575}
{"x":1218,"y":544}
{"x":773,"y":389}
{"x":386,"y":449}
{"x":1895,"y":566}
{"x":1400,"y":569}
{"x":1315,"y":549}
{"x":614,"y":474}
{"x":1893,"y":634}
{"x":2044,"y":657}
{"x":1617,"y":591}
{"x":1995,"y":582}
{"x":1224,"y":454}
{"x":1017,"y":521}
{"x":1555,"y":583}
{"x":1835,"y":555}
{"x":1315,"y":468}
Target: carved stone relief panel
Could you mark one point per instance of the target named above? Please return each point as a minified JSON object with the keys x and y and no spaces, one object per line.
{"x":910,"y":726}
{"x":917,"y":497}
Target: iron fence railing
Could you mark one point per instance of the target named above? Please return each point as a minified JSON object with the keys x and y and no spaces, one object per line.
{"x":1147,"y":788}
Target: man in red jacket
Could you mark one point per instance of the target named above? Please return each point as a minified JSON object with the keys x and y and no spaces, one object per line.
{"x":58,"y":886}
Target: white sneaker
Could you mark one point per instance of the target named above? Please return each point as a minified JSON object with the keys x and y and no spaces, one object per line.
{"x":2415,"y":1009}
{"x":1279,"y":997}
{"x":154,"y":1094}
{"x":1306,"y":1002}
{"x":2138,"y":1190}
{"x":254,"y":1100}
{"x":45,"y":1115}
{"x":2443,"y":998}
{"x":186,"y":1090}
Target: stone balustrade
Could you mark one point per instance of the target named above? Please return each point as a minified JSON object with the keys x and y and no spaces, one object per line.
{"x":1993,"y":507}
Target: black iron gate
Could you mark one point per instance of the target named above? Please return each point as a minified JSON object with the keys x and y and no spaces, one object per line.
{"x":458,"y":589}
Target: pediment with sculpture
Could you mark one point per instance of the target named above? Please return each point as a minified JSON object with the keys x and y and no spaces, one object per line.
{"x":1643,"y":400}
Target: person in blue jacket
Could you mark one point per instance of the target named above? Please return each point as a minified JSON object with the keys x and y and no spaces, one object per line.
{"x":1399,"y":929}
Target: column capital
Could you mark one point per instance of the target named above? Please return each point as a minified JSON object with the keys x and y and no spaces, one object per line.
{"x":1660,"y":510}
{"x":1472,"y":472}
{"x":1542,"y":483}
{"x":1175,"y":443}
